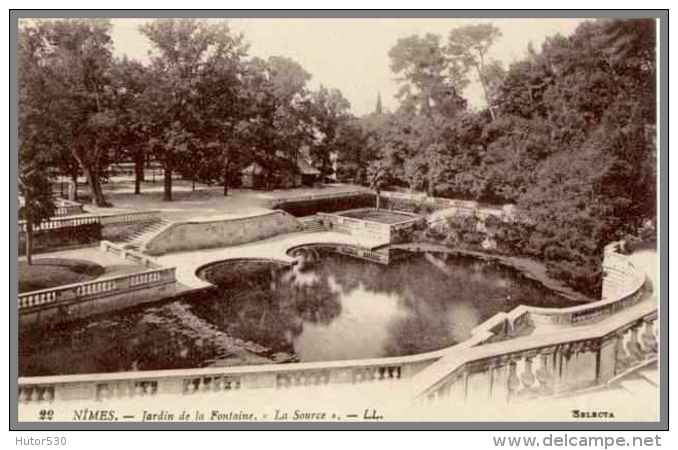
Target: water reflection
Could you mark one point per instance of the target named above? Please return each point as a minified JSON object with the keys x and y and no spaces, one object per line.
{"x":338,"y":308}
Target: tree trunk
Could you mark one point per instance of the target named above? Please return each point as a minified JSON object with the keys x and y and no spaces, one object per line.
{"x":167,"y":195}
{"x":483,"y":83}
{"x":95,"y":187}
{"x":138,"y":172}
{"x":29,"y":242}
{"x":226,"y":180}
{"x":378,"y":199}
{"x":73,"y":192}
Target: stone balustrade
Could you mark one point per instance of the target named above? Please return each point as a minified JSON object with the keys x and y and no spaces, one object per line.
{"x":218,"y":381}
{"x":60,"y":222}
{"x":578,"y":353}
{"x":590,"y":345}
{"x":68,"y":208}
{"x":128,"y":254}
{"x":77,"y":292}
{"x":512,"y":371}
{"x":65,"y":222}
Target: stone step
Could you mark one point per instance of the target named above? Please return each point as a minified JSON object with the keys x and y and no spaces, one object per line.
{"x":139,"y":236}
{"x":650,"y":375}
{"x":639,"y":386}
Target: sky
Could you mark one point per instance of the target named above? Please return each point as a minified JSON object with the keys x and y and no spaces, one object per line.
{"x":352,"y":54}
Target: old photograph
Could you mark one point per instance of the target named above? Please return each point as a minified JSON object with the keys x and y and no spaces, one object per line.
{"x":336,"y":220}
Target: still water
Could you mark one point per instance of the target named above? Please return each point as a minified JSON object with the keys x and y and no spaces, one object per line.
{"x":338,"y":308}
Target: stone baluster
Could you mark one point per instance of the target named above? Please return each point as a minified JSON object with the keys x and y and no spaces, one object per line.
{"x":102,"y":392}
{"x":623,"y":360}
{"x":25,"y":394}
{"x":527,"y":376}
{"x":150,"y":387}
{"x":513,"y":381}
{"x":48,"y":394}
{"x":544,"y":374}
{"x":649,"y":338}
{"x":633,"y":346}
{"x":139,"y":388}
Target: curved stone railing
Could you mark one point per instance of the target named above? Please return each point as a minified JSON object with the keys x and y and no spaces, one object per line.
{"x":542,"y":363}
{"x":574,"y":354}
{"x":218,"y":380}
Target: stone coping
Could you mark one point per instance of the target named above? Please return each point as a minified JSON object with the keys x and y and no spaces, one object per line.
{"x":455,"y":360}
{"x":229,"y":217}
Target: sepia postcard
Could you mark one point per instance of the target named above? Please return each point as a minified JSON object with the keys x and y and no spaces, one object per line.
{"x":338,"y":220}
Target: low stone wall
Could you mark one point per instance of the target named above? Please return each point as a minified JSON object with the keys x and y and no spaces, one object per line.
{"x":60,"y":232}
{"x":220,"y":232}
{"x":440,"y":207}
{"x":79,"y":234}
{"x":307,"y":205}
{"x":378,"y":256}
{"x":379,"y":233}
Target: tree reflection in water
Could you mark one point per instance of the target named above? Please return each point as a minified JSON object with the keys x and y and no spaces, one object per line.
{"x":338,"y":308}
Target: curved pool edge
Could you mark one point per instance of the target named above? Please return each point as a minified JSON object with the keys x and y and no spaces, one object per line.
{"x":407,"y":366}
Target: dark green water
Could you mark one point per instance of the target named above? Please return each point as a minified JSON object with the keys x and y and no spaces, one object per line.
{"x":339,"y":308}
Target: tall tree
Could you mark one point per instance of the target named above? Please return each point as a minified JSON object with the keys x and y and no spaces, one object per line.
{"x":330,"y":111}
{"x":186,"y":52}
{"x":75,"y":58}
{"x":378,"y":109}
{"x":469,"y":45}
{"x":130,"y":80}
{"x":430,"y":81}
{"x":36,"y":137}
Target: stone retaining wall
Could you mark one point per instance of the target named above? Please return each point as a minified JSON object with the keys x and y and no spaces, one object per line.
{"x":220,"y":232}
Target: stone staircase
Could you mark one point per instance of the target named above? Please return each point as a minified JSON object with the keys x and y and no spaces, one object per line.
{"x":136,"y":240}
{"x":312,"y":224}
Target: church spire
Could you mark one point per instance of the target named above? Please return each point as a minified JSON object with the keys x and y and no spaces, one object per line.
{"x":378,"y":109}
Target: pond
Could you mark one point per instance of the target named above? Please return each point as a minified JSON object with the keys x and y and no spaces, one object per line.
{"x":338,"y":308}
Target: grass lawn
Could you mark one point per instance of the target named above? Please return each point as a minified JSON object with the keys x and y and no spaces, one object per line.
{"x":50,"y":272}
